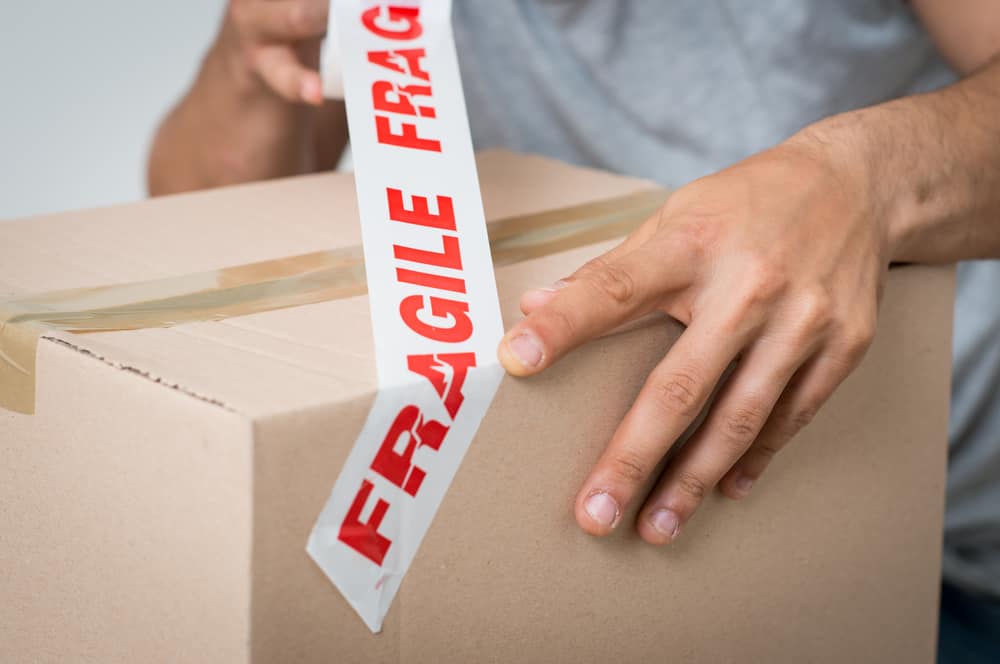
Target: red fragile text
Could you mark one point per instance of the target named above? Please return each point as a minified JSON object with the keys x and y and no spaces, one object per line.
{"x":442,"y":315}
{"x":404,"y":93}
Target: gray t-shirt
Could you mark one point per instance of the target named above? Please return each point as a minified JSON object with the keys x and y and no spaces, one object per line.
{"x":671,"y":90}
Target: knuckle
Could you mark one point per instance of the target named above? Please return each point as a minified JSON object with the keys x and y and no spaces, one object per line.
{"x":851,"y":343}
{"x":800,"y":418}
{"x":679,"y":394}
{"x":765,"y":280}
{"x":812,"y":319}
{"x":694,"y":216}
{"x":794,"y":417}
{"x":609,"y":280}
{"x":858,"y":339}
{"x":692,"y":485}
{"x":766,"y":450}
{"x":300,"y":19}
{"x":559,"y":320}
{"x":816,"y":312}
{"x":239,"y":13}
{"x":697,"y":234}
{"x":629,"y":467}
{"x":762,"y":283}
{"x":742,"y":424}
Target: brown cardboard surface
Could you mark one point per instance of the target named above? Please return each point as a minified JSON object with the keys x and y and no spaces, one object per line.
{"x":278,"y":283}
{"x":156,"y":508}
{"x":319,"y":362}
{"x":125,"y":521}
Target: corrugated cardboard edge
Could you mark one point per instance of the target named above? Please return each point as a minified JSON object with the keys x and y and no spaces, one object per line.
{"x":71,"y":342}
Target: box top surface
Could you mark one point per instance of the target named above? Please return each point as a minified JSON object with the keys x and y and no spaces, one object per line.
{"x":279,"y":361}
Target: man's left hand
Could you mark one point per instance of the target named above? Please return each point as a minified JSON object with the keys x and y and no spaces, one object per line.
{"x":775,"y":264}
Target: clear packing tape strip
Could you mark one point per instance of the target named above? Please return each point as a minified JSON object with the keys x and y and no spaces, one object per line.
{"x":270,"y":285}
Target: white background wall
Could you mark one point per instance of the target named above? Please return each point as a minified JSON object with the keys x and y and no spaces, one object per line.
{"x":83,"y":84}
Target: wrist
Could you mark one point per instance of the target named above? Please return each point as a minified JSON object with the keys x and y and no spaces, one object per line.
{"x":852,"y":146}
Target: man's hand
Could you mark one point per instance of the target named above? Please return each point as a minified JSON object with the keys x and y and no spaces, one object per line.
{"x":279,"y":42}
{"x":256,"y":109}
{"x":775,"y":263}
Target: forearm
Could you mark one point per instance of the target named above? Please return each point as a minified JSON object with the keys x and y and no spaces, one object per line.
{"x":229,"y":128}
{"x":929,"y":167}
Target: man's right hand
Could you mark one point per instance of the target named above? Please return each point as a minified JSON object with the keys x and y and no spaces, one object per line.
{"x":278,"y":43}
{"x":256,"y":109}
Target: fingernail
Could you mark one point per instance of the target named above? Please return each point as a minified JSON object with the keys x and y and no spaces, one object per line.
{"x":742,"y":485}
{"x":557,"y":286}
{"x":665,"y":522}
{"x":602,"y":508}
{"x":526,"y":349}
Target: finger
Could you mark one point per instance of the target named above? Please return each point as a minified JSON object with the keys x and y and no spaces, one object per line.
{"x":736,"y":418}
{"x":673,"y":395}
{"x":280,"y":20}
{"x":815,"y":382}
{"x":808,"y":390}
{"x":539,"y":297}
{"x":600,"y":296}
{"x":281,"y":70}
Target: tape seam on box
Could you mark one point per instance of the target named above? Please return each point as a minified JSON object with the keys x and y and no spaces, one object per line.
{"x":270,"y":285}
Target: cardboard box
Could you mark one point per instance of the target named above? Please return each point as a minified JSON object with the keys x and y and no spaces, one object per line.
{"x":156,"y":507}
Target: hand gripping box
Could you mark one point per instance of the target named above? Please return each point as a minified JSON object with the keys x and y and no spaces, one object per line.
{"x":156,"y":505}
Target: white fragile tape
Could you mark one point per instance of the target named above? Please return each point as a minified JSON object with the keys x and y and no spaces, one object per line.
{"x":435,"y":314}
{"x":330,"y":70}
